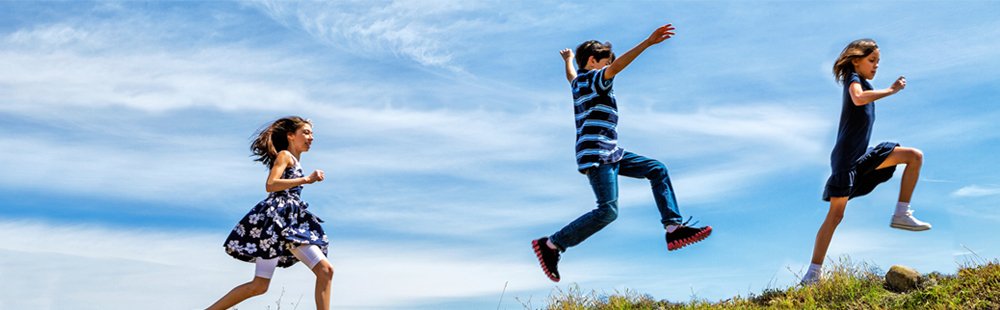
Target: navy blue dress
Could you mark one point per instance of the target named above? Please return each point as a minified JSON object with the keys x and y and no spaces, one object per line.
{"x":276,"y":225}
{"x":852,"y":162}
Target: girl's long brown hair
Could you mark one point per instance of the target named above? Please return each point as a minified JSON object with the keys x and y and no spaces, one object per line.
{"x":274,"y":138}
{"x":843,"y":67}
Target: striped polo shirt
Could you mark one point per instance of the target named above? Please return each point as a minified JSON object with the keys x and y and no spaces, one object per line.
{"x":596,"y":120}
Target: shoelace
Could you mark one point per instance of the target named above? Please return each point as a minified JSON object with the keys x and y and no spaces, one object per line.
{"x":689,"y":221}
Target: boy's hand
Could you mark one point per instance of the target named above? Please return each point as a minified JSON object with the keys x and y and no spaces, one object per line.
{"x":566,"y":54}
{"x":661,"y":34}
{"x":898,"y":85}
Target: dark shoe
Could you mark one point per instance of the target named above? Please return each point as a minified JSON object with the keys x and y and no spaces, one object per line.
{"x":685,"y":235}
{"x":548,"y":258}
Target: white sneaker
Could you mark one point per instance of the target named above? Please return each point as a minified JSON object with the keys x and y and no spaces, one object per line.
{"x":908,"y":222}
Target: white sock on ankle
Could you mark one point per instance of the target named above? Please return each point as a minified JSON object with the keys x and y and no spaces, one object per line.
{"x":815,"y":268}
{"x":551,"y":245}
{"x":902,"y":207}
{"x":672,"y":227}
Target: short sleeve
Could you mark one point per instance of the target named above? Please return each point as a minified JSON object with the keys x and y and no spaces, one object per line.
{"x":852,"y":79}
{"x":602,"y":84}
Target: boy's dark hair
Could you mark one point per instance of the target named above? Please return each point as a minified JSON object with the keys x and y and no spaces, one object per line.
{"x":593,"y":48}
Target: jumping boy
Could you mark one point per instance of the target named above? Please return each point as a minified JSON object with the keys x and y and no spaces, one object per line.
{"x":602,"y":160}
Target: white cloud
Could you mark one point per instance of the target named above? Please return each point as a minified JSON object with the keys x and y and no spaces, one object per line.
{"x":767,"y":126}
{"x":51,"y":36}
{"x":392,"y":27}
{"x":431,"y":34}
{"x":108,"y":168}
{"x":153,"y":82}
{"x":976,"y":191}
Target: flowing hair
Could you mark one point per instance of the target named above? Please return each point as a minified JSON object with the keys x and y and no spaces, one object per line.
{"x":844,"y":66}
{"x":274,"y":138}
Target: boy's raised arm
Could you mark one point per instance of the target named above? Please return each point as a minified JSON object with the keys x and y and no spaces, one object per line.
{"x":659,"y":35}
{"x":567,"y":55}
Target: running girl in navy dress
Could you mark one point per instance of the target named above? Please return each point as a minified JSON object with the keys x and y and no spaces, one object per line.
{"x":280,"y":231}
{"x":857,"y":169}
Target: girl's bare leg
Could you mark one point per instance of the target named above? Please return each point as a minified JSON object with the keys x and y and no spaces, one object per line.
{"x":240,"y":293}
{"x":913,"y":159}
{"x":324,"y":277}
{"x":825,"y":234}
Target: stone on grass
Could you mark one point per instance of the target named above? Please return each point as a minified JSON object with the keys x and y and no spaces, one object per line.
{"x":902,"y":279}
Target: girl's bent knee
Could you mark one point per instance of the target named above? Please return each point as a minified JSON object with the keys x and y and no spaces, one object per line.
{"x":918,"y":156}
{"x":324,"y":271}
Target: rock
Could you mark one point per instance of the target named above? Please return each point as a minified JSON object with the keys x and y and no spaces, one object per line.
{"x":902,"y":279}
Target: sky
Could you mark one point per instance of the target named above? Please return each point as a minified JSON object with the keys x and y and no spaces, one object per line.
{"x":446,"y":133}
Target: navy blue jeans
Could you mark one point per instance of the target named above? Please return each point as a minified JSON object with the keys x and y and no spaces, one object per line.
{"x":604,"y":180}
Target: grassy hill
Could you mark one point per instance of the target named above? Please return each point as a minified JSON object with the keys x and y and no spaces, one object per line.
{"x":845,"y":286}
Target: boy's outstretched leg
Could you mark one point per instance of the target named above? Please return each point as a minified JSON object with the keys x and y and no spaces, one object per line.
{"x":823,"y":237}
{"x":604,"y":181}
{"x":913,"y":159}
{"x":678,"y":234}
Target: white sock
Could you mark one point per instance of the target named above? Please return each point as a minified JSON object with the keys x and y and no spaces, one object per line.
{"x":551,"y":245}
{"x":814,"y":269}
{"x":902,"y":207}
{"x":672,"y":227}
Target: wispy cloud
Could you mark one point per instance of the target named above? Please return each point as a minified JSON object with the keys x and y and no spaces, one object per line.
{"x":977,"y":191}
{"x":431,"y":34}
{"x":56,"y":66}
{"x":394,"y":27}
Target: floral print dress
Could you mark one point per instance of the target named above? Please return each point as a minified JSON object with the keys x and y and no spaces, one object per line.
{"x":276,"y":225}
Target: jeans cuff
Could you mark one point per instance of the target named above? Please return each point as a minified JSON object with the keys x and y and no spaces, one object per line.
{"x":559,"y":247}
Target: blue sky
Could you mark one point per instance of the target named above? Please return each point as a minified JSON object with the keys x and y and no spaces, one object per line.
{"x":445,"y":130}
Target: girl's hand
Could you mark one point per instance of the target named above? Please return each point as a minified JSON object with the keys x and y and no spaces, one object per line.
{"x":566,"y":54}
{"x":898,"y":85}
{"x":316,"y":176}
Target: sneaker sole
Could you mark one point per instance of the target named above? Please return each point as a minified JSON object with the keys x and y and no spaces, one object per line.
{"x":678,"y":244}
{"x":910,"y":228}
{"x":538,"y":254}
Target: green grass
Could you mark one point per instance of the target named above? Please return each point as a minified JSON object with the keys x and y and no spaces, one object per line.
{"x":846,"y":285}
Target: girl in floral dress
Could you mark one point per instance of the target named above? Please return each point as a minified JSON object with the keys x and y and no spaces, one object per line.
{"x":280,"y":231}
